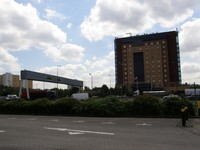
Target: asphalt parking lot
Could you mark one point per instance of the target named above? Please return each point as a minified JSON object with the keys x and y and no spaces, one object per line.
{"x":21,"y":132}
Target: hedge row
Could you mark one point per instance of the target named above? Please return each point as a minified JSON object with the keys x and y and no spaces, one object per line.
{"x":142,"y":106}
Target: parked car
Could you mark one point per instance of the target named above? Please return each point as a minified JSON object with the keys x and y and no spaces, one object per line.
{"x":2,"y":97}
{"x":193,"y":97}
{"x":170,"y":96}
{"x":12,"y":97}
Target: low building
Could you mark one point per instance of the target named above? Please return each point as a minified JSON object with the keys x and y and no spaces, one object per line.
{"x":11,"y":80}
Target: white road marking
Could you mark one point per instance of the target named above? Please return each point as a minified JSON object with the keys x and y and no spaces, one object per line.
{"x":12,"y":118}
{"x":1,"y":131}
{"x":79,"y":121}
{"x":108,"y":122}
{"x":31,"y":119}
{"x":74,"y":133}
{"x":143,"y":124}
{"x":79,"y":131}
{"x":54,"y":120}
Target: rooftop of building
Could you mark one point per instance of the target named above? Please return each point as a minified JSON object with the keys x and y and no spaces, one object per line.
{"x":145,"y":36}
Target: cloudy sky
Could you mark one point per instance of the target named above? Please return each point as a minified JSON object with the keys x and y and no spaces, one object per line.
{"x":76,"y":37}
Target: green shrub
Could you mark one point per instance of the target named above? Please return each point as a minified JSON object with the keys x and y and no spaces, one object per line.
{"x":109,"y":106}
{"x":172,"y":107}
{"x":66,"y":106}
{"x":146,"y":106}
{"x":10,"y":107}
{"x":39,"y":106}
{"x":142,"y":106}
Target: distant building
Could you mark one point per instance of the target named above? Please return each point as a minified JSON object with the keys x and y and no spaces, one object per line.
{"x":11,"y":80}
{"x":149,"y":61}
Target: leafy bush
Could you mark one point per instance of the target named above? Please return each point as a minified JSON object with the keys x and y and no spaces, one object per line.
{"x":142,"y":106}
{"x":10,"y":107}
{"x":146,"y":106}
{"x":172,"y":107}
{"x":110,"y":106}
{"x":39,"y":106}
{"x":66,"y":106}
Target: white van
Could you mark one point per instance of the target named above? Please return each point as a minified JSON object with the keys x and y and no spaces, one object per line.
{"x":80,"y":96}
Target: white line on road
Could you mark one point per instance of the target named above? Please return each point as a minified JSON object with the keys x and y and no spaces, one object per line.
{"x":1,"y":131}
{"x":74,"y":133}
{"x":54,"y":120}
{"x":31,"y":119}
{"x":143,"y":124}
{"x":79,"y":131}
{"x":79,"y":121}
{"x":12,"y":118}
{"x":110,"y":122}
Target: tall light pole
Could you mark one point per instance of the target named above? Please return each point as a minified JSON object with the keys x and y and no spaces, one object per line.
{"x":57,"y":74}
{"x":91,"y":81}
{"x":110,"y":80}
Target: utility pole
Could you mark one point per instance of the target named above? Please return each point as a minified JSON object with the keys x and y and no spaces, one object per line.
{"x":57,"y":74}
{"x":195,"y":96}
{"x":91,"y":81}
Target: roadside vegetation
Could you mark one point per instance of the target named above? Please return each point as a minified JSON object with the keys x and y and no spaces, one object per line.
{"x":111,"y":106}
{"x":104,"y":102}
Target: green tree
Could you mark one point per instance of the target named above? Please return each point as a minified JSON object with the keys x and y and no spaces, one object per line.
{"x":104,"y":91}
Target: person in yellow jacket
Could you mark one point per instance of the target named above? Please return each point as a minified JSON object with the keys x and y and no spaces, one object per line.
{"x":184,"y":114}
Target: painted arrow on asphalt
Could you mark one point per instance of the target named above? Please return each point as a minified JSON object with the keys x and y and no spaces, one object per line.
{"x":73,"y":132}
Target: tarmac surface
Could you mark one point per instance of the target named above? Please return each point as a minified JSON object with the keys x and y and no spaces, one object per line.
{"x":21,"y":132}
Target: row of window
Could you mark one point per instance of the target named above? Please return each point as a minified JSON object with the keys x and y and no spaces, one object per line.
{"x":152,"y":43}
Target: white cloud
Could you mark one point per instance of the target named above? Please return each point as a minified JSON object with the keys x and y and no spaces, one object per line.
{"x":69,"y":26}
{"x":68,"y":71}
{"x":8,"y":62}
{"x":191,"y":72}
{"x":190,"y":50}
{"x":66,"y":52}
{"x":134,"y":16}
{"x":189,"y":35}
{"x":22,"y":29}
{"x":38,"y":1}
{"x":50,"y":14}
{"x":101,"y":68}
{"x":102,"y":73}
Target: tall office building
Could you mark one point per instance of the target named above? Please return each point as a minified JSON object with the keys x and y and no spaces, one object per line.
{"x":148,"y":61}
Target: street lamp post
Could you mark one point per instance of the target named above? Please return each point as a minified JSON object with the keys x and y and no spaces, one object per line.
{"x":57,"y":74}
{"x":110,"y":80}
{"x":91,"y":81}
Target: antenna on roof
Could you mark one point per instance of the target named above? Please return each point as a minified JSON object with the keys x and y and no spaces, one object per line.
{"x":129,"y":34}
